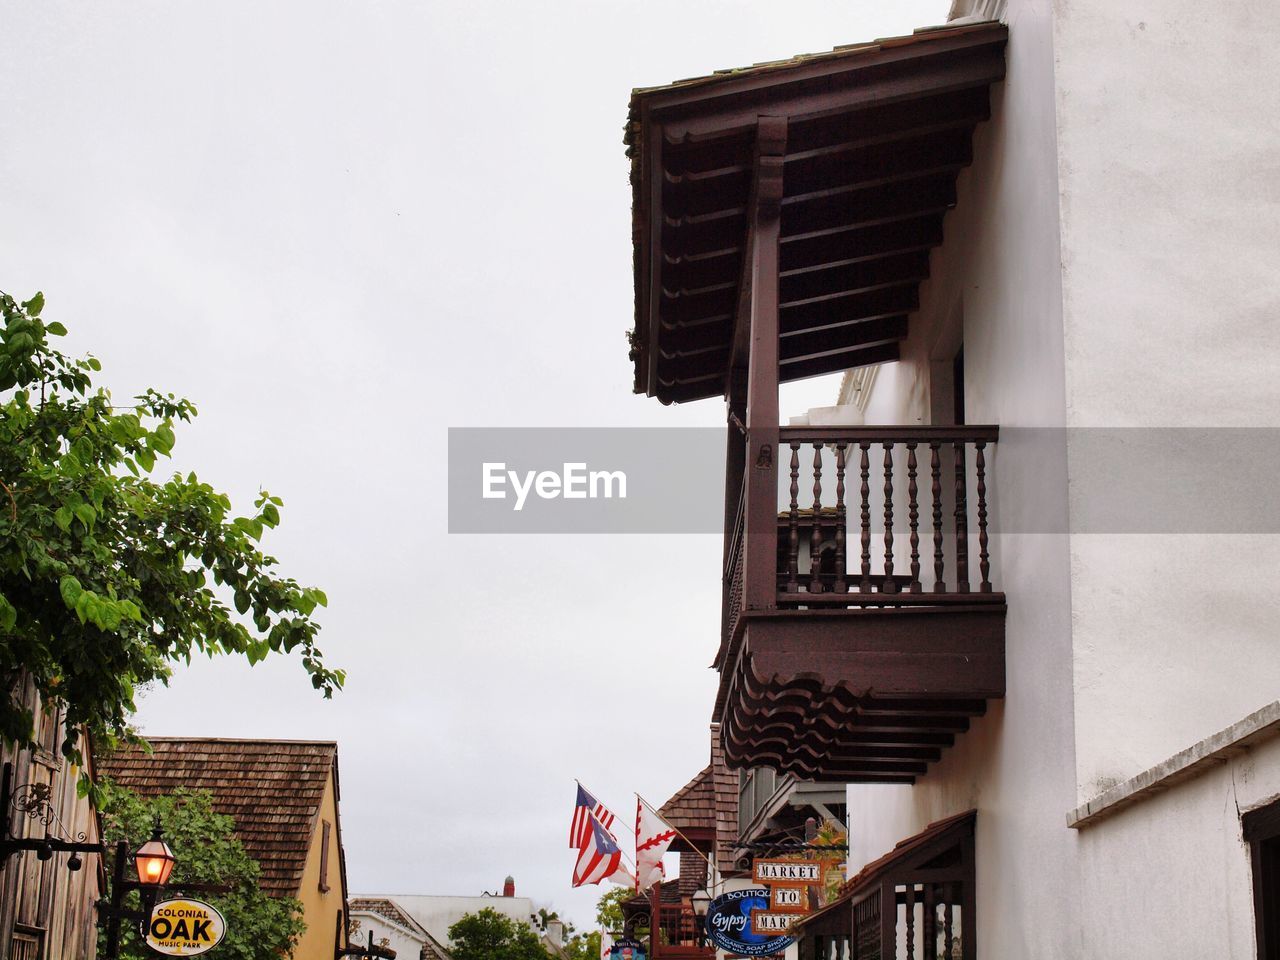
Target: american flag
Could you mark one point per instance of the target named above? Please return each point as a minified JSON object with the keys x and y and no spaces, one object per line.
{"x":586,"y":806}
{"x":600,"y":858}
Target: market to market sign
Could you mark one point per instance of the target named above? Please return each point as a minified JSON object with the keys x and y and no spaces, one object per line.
{"x":794,"y":891}
{"x":185,"y":928}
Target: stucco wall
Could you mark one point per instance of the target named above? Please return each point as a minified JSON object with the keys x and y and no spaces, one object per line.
{"x":1147,"y":133}
{"x":438,"y":914}
{"x":1169,"y":128}
{"x":406,"y":944}
{"x":996,"y":283}
{"x":321,"y":908}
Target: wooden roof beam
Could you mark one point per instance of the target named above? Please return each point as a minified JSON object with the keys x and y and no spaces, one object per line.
{"x":938,"y":74}
{"x":921,"y":232}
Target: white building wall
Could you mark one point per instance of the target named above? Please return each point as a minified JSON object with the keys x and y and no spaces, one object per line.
{"x":1169,"y":122}
{"x":405,"y":943}
{"x":438,"y":914}
{"x":1112,"y":262}
{"x":996,"y":283}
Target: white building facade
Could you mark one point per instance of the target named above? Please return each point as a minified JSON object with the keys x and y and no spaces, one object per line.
{"x":1110,"y":263}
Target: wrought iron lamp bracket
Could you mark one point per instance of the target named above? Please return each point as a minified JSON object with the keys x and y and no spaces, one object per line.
{"x":34,"y":801}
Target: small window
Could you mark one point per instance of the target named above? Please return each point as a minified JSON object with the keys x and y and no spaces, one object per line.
{"x":325,"y":830}
{"x":1262,"y":833}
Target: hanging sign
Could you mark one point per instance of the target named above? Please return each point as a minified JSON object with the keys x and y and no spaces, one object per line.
{"x":767,"y":923}
{"x":730,"y":928}
{"x":625,"y":948}
{"x":800,"y":872}
{"x":789,"y":899}
{"x":185,"y":928}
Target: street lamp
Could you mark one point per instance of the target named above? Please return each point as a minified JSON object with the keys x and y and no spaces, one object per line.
{"x":701,"y":903}
{"x":154,"y":860}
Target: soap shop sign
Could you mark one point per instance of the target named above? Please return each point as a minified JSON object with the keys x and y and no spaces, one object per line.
{"x":185,"y":928}
{"x":729,"y":924}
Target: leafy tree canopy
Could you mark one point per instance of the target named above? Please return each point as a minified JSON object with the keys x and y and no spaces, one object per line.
{"x":107,"y":576}
{"x":259,"y":927}
{"x":490,"y":935}
{"x":584,"y":946}
{"x":609,"y":908}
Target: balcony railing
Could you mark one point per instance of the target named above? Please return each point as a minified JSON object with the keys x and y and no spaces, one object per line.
{"x":863,"y":624}
{"x":874,"y":517}
{"x":890,"y":466}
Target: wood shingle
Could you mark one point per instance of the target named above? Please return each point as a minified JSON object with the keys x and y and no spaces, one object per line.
{"x":272,"y":789}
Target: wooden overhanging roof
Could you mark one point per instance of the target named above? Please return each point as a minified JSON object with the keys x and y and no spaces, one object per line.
{"x":875,"y":136}
{"x":272,"y":789}
{"x":692,"y":811}
{"x":942,"y":851}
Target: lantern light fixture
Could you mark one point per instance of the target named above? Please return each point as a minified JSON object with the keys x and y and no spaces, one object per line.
{"x":154,"y":860}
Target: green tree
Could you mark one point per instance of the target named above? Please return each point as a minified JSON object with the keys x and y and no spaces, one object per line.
{"x":609,"y":908}
{"x":583,"y":946}
{"x":108,"y":577}
{"x":259,"y":927}
{"x":490,"y":935}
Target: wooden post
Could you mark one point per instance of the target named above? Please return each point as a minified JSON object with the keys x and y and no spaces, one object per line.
{"x":118,"y":891}
{"x":760,"y":271}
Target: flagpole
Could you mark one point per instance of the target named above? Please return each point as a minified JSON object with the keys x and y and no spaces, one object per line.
{"x":676,"y":829}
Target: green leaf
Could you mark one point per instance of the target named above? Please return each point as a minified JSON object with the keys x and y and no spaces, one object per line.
{"x":62,"y":517}
{"x":34,"y":305}
{"x":8,"y":615}
{"x":55,"y":329}
{"x":86,"y":515}
{"x":70,"y":589}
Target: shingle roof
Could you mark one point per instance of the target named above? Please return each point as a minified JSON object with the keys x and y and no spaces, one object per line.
{"x":271,"y":788}
{"x":725,"y":782}
{"x":693,"y":806}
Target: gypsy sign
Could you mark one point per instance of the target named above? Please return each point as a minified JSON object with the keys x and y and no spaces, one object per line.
{"x":729,"y":924}
{"x":185,"y":928}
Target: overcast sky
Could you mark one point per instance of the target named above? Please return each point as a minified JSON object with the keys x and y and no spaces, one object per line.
{"x":341,"y":228}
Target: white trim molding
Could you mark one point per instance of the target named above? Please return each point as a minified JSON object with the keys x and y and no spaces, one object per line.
{"x":1216,"y":750}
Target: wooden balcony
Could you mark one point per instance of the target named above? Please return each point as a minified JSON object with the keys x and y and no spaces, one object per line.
{"x":862,"y":630}
{"x":783,"y":219}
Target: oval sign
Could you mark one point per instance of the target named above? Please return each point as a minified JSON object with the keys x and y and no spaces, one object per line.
{"x":729,"y":923}
{"x":185,"y":928}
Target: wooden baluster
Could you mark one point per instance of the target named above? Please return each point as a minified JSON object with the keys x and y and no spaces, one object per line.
{"x":865,"y":585}
{"x":913,"y":517}
{"x":939,"y":586}
{"x":911,"y":922}
{"x":890,"y":585}
{"x":815,"y":539}
{"x":929,"y":929}
{"x":841,"y":584}
{"x":793,"y":523}
{"x":948,"y":927}
{"x":984,"y":557}
{"x":962,"y":524}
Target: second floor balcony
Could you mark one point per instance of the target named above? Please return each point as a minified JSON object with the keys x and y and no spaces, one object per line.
{"x":862,"y":628}
{"x":784,"y":218}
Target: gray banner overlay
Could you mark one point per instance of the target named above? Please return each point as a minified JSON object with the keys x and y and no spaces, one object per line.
{"x":1039,"y":480}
